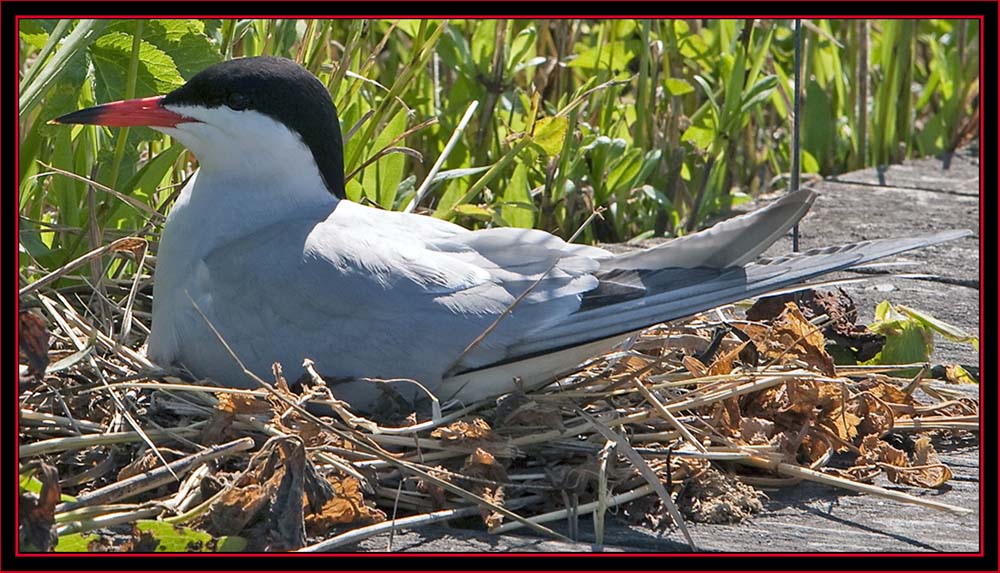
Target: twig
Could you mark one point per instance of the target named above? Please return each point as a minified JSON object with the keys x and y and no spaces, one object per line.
{"x":792,"y":470}
{"x":362,"y":533}
{"x":73,"y":443}
{"x":118,"y":245}
{"x":582,"y":509}
{"x":157,"y":477}
{"x":422,"y":190}
{"x":645,"y":471}
{"x":109,"y":520}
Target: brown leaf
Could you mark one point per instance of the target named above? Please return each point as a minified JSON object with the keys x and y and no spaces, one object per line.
{"x":33,"y":341}
{"x":813,"y":447}
{"x":695,"y":366}
{"x":724,"y":363}
{"x":792,"y":338}
{"x":532,"y":414}
{"x":843,"y":422}
{"x":239,"y":507}
{"x":460,"y":431}
{"x":348,"y":506}
{"x":925,"y":470}
{"x":144,"y":463}
{"x":134,"y":244}
{"x":838,"y":306}
{"x":241,"y":404}
{"x":36,"y":513}
{"x":876,"y":416}
{"x":285,"y":520}
{"x":218,"y":428}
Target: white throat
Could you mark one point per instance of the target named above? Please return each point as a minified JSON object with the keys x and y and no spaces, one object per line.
{"x":254,"y":172}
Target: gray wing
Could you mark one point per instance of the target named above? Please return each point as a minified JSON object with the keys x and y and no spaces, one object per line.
{"x":380,"y":294}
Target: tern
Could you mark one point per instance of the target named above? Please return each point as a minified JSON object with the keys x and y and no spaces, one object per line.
{"x":263,"y":247}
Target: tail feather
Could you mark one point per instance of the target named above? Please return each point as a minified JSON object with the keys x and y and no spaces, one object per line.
{"x":731,"y":243}
{"x":674,"y":293}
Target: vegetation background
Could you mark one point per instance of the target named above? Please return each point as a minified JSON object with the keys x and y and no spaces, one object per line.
{"x":662,"y":123}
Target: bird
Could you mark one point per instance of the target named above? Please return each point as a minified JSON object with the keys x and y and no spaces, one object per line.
{"x":264,"y":260}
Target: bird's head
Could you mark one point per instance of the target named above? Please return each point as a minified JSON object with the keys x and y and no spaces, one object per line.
{"x":238,"y":113}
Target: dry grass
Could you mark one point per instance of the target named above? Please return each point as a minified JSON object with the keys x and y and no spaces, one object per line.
{"x":648,"y":431}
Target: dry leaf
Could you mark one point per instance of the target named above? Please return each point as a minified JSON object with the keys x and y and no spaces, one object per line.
{"x":460,"y":431}
{"x":791,"y":337}
{"x":924,"y":471}
{"x":33,"y":341}
{"x":144,"y":463}
{"x":36,"y":513}
{"x":695,"y":366}
{"x":347,"y":506}
{"x":843,"y":422}
{"x":724,"y":363}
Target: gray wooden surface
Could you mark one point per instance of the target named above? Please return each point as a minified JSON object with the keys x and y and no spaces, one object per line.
{"x":918,"y":197}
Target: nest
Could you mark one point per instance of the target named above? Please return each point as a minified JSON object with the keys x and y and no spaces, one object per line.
{"x":681,"y":423}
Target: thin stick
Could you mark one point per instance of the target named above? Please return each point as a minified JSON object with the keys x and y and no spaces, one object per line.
{"x":157,"y":477}
{"x":658,"y":406}
{"x":131,"y":201}
{"x":583,"y":509}
{"x":425,"y":186}
{"x":361,"y":533}
{"x":73,"y":443}
{"x":796,"y":125}
{"x":792,"y":470}
{"x":117,"y":245}
{"x":645,"y":471}
{"x":109,"y":520}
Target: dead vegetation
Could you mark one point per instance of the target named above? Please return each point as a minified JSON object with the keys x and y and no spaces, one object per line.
{"x":680,"y":423}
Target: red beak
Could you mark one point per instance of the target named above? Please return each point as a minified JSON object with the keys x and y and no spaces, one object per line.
{"x":148,"y":112}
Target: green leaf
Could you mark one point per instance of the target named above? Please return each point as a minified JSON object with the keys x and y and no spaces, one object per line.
{"x":910,"y":334}
{"x":677,"y":86}
{"x":35,"y":32}
{"x":64,"y":96}
{"x":700,"y":137}
{"x":809,"y":163}
{"x":758,"y":93}
{"x":176,"y":539}
{"x":354,"y":190}
{"x":184,"y":41}
{"x":381,"y":179}
{"x":112,"y":52}
{"x":76,"y":543}
{"x":151,"y":176}
{"x":613,"y":56}
{"x":456,"y":53}
{"x":477,"y":212}
{"x":818,"y":124}
{"x":949,"y":331}
{"x":409,"y":27}
{"x":522,"y":45}
{"x":909,"y":344}
{"x":517,"y":210}
{"x":457,"y":174}
{"x":34,"y":485}
{"x":550,"y":133}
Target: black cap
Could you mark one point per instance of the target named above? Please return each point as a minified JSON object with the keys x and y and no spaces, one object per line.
{"x":283,"y":90}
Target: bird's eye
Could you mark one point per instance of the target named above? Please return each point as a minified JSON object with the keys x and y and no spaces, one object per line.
{"x":237,"y":101}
